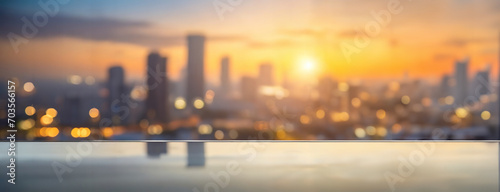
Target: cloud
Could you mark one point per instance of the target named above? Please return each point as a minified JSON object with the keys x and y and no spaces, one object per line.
{"x":99,"y":29}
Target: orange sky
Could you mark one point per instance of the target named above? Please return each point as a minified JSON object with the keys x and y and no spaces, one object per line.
{"x":424,"y":40}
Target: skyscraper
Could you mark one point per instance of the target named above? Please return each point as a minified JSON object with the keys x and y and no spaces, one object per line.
{"x":460,"y":91}
{"x":116,"y":88}
{"x":195,"y":68}
{"x":157,"y":82}
{"x":266,"y":75}
{"x":482,"y":82}
{"x":224,"y":76}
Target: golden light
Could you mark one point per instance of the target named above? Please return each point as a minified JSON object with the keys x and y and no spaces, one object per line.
{"x":370,"y":130}
{"x":209,"y":96}
{"x":205,"y":129}
{"x":381,"y":131}
{"x":180,"y":103}
{"x":75,"y":132}
{"x":356,"y":102}
{"x":485,"y":115}
{"x":344,"y":87}
{"x":304,"y":119}
{"x":380,"y":114}
{"x":29,"y":87}
{"x":43,"y":132}
{"x":198,"y":104}
{"x":461,"y":112}
{"x":396,"y":128}
{"x":75,"y":79}
{"x":84,"y":132}
{"x":107,"y":132}
{"x":94,"y":113}
{"x":308,"y":66}
{"x":360,"y":133}
{"x":52,"y":131}
{"x":219,"y":135}
{"x":405,"y":99}
{"x":51,"y":112}
{"x":449,"y":100}
{"x":281,"y":134}
{"x":27,"y":124}
{"x":155,"y":129}
{"x":30,"y":110}
{"x":139,"y":93}
{"x":46,"y":120}
{"x":320,"y":113}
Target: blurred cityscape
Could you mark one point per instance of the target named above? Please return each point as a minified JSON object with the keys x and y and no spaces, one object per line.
{"x":254,"y":107}
{"x":96,"y":70}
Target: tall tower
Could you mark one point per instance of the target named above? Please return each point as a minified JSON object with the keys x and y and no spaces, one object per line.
{"x":266,"y":75}
{"x":116,"y":90}
{"x":157,"y":82}
{"x":460,"y":93}
{"x":195,"y":68}
{"x":224,"y":76}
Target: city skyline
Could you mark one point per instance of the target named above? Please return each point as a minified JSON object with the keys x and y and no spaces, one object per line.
{"x":316,"y":36}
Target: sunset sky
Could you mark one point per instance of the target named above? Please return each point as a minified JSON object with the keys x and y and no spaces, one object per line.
{"x":86,"y":37}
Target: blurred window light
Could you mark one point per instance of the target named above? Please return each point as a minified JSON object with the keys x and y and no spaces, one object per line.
{"x":51,"y":112}
{"x":485,"y":115}
{"x":405,"y":100}
{"x":180,"y":103}
{"x":30,"y":110}
{"x":29,"y":87}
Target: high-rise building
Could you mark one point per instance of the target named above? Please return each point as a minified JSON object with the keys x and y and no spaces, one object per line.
{"x":224,"y":76}
{"x":116,"y":88}
{"x":195,"y":68}
{"x":444,"y":87}
{"x":482,"y":82}
{"x":266,"y":75}
{"x":248,"y":88}
{"x":460,"y":90}
{"x":157,"y":82}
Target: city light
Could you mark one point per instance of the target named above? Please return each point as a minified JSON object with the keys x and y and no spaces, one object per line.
{"x":380,"y":114}
{"x":205,"y":129}
{"x":370,"y":130}
{"x":29,"y":87}
{"x":233,"y":134}
{"x":461,"y":112}
{"x":155,"y":129}
{"x":485,"y":115}
{"x":94,"y":113}
{"x":320,"y":113}
{"x":51,"y":112}
{"x":107,"y":132}
{"x":30,"y":110}
{"x":396,"y":128}
{"x":356,"y":102}
{"x":75,"y":79}
{"x":180,"y":103}
{"x":198,"y":104}
{"x":449,"y":100}
{"x":405,"y":99}
{"x":80,"y":132}
{"x":219,"y":135}
{"x":52,"y":131}
{"x":27,"y":124}
{"x":304,"y":119}
{"x":381,"y":131}
{"x":360,"y":133}
{"x":46,"y":120}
